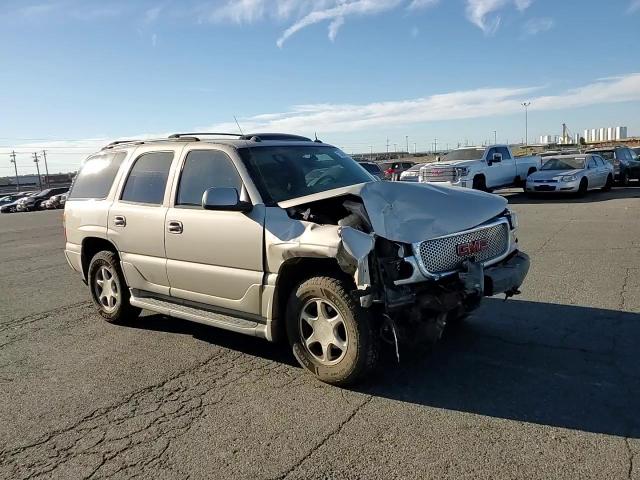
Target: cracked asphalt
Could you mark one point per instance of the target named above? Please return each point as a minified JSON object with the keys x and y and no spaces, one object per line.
{"x":543,"y":386}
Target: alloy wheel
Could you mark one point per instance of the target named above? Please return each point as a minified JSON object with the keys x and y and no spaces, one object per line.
{"x":323,"y":331}
{"x":106,"y":288}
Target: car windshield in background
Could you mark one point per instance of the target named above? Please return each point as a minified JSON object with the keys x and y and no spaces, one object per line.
{"x":564,"y":163}
{"x":285,"y":172}
{"x":606,"y":155}
{"x":464,"y":154}
{"x":371,"y":168}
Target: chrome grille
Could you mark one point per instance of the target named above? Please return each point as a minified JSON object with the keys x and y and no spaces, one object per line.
{"x":440,"y":255}
{"x":437,"y":174}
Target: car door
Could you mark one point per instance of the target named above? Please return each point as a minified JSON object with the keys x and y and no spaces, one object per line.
{"x":136,"y":219}
{"x":592,"y":173}
{"x":214,"y":257}
{"x":494,"y":173}
{"x":634,"y":163}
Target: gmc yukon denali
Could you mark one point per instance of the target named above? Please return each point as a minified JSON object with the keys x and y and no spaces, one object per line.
{"x":278,"y":236}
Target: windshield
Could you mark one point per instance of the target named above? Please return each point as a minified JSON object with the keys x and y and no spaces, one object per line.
{"x":564,"y":163}
{"x":464,"y":154}
{"x":371,"y":168}
{"x":290,"y":171}
{"x":606,"y":155}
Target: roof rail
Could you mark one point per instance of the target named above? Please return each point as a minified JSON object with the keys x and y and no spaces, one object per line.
{"x":258,"y":137}
{"x":197,"y":134}
{"x":119,"y":142}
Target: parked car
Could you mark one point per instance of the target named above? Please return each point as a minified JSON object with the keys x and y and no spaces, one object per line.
{"x":572,"y":174}
{"x":625,"y":164}
{"x":11,"y":198}
{"x":481,"y":168}
{"x":236,"y":233}
{"x":373,"y":168}
{"x":393,"y":170}
{"x":33,"y":202}
{"x":411,"y":174}
{"x":57,"y":201}
{"x":636,"y":152}
{"x":12,"y":207}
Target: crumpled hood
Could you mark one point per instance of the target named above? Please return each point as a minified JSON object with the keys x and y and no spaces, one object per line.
{"x":549,"y":174}
{"x":410,"y":212}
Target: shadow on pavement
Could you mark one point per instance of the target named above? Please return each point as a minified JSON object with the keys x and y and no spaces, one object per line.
{"x":559,"y":365}
{"x":617,"y":193}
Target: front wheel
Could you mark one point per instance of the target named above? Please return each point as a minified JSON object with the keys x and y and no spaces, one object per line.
{"x":624,"y":179}
{"x":330,"y":334}
{"x":109,"y":290}
{"x":480,"y":183}
{"x":582,"y":189}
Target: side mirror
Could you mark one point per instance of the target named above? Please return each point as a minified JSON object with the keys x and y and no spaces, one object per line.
{"x":225,"y":199}
{"x":497,"y":157}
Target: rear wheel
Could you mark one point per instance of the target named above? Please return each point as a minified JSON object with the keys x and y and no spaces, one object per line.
{"x":109,"y":290}
{"x":330,"y":334}
{"x":608,"y":184}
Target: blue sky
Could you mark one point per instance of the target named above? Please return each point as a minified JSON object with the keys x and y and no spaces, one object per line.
{"x":77,"y":73}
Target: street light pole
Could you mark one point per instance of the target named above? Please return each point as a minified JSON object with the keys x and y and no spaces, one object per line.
{"x":36,"y":160}
{"x":526,"y":123}
{"x":495,"y":137}
{"x":370,"y":152}
{"x":406,"y":137}
{"x":15,"y":167}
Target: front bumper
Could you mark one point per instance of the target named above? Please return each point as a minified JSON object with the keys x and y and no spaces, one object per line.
{"x":506,"y":276}
{"x":543,"y":187}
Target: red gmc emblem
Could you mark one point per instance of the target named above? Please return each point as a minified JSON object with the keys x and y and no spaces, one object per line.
{"x":436,"y":172}
{"x":471,"y":248}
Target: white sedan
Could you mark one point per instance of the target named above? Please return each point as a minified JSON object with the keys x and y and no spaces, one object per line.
{"x":571,"y":174}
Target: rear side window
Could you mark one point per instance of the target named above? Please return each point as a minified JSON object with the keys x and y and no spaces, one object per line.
{"x":204,"y":169}
{"x":96,"y":176}
{"x":148,"y":178}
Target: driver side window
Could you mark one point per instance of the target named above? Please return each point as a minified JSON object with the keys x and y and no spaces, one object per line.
{"x":205,"y":169}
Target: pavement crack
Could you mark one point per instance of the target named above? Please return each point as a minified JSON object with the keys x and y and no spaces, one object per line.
{"x":630,"y":456}
{"x":326,"y":438}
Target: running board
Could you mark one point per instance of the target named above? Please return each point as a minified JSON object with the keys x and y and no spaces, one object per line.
{"x":206,"y":317}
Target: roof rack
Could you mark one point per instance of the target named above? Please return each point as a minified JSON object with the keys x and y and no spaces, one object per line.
{"x":199,"y":134}
{"x":119,"y":142}
{"x":259,"y":137}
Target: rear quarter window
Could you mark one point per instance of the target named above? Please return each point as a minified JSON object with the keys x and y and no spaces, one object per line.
{"x":96,"y":176}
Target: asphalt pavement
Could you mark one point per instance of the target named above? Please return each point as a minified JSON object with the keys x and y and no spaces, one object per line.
{"x":546,"y":385}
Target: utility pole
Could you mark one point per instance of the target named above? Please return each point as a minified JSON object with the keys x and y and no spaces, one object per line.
{"x":387,"y":146}
{"x":435,"y":145}
{"x":15,"y":167}
{"x":395,"y":149}
{"x":46,"y":168}
{"x":406,"y":137}
{"x":36,"y":160}
{"x":370,"y":152}
{"x":495,"y":137}
{"x":526,"y":123}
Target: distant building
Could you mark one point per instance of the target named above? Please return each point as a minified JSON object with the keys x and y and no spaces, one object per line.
{"x":605,"y":134}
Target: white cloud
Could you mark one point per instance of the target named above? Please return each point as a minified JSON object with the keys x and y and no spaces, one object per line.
{"x":535,"y":26}
{"x":480,"y":12}
{"x":152,"y":14}
{"x":418,"y":4}
{"x":303,"y":13}
{"x":485,"y":102}
{"x":634,"y":6}
{"x":154,"y":40}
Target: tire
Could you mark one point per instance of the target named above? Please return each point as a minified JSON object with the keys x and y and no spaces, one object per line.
{"x":608,"y":184}
{"x":624,"y":179}
{"x":584,"y":186}
{"x":114,"y":306}
{"x":346,"y":349}
{"x":480,"y":183}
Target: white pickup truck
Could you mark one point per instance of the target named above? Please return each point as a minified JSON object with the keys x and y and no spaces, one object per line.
{"x":481,"y":168}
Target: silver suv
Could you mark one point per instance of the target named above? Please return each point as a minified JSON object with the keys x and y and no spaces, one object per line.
{"x":278,"y":236}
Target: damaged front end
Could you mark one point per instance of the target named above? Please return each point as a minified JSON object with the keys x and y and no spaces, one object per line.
{"x":420,"y":255}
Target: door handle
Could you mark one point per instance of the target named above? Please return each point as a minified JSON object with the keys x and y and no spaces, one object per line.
{"x":174,"y":227}
{"x":119,"y":221}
